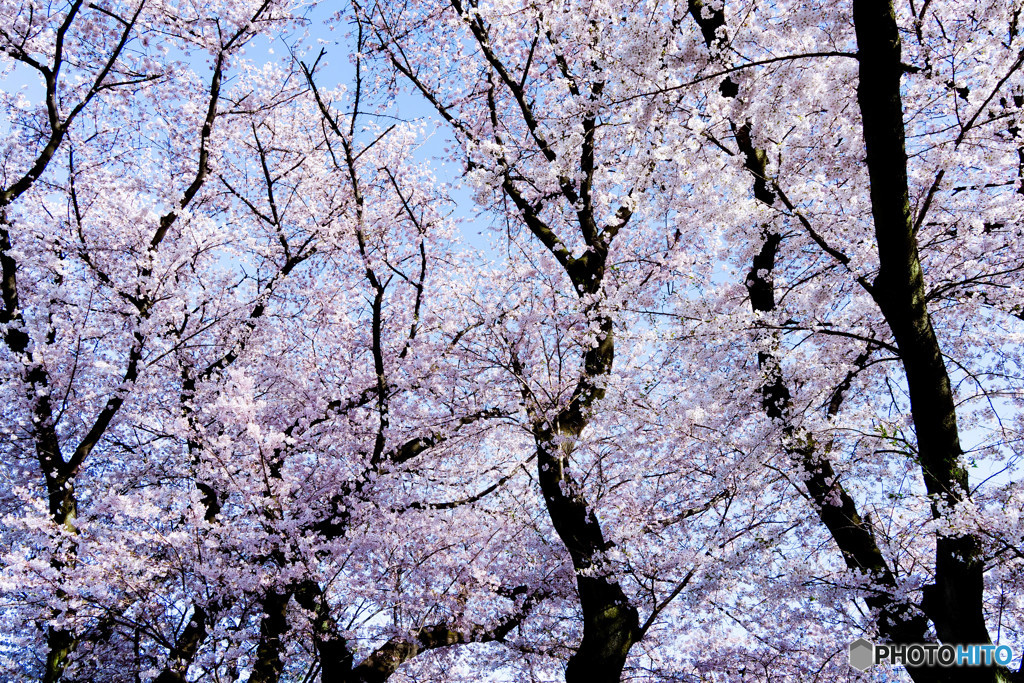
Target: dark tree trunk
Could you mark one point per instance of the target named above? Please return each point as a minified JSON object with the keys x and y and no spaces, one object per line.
{"x":332,"y":650}
{"x":185,"y":649}
{"x":954,"y":601}
{"x":268,"y":665}
{"x":897,"y":621}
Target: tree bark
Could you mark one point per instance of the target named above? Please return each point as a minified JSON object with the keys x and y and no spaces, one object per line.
{"x":611,"y":623}
{"x":333,"y":650}
{"x":897,"y":621}
{"x":268,"y":665}
{"x":954,"y":601}
{"x":185,"y":648}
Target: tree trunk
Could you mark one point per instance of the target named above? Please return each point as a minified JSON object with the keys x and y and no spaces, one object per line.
{"x":954,"y":601}
{"x":268,"y":665}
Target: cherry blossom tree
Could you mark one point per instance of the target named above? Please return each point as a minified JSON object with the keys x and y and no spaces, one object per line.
{"x":229,"y":360}
{"x":738,"y":382}
{"x":538,"y":98}
{"x":889,"y":228}
{"x":88,"y":59}
{"x":852,"y":280}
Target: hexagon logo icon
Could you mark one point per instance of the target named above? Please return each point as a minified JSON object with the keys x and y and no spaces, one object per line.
{"x":862,"y":654}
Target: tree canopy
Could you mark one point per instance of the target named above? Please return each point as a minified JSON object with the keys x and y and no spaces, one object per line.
{"x":736,"y":379}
